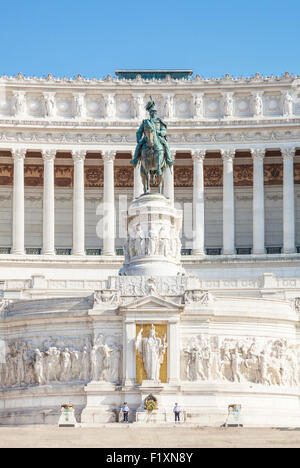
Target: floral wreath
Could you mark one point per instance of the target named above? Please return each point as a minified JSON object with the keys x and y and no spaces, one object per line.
{"x":150,"y":403}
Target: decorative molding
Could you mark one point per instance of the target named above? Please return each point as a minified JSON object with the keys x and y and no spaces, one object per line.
{"x":198,"y":155}
{"x":257,"y":78}
{"x":227,"y":155}
{"x":258,"y":154}
{"x":204,"y":136}
{"x":108,"y":156}
{"x":48,"y":155}
{"x":288,"y":153}
{"x":78,"y":156}
{"x":18,"y":154}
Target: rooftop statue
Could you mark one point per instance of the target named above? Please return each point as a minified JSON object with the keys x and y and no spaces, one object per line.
{"x":152,"y":151}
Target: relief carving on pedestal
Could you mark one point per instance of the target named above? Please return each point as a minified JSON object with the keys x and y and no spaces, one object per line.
{"x":106,"y":298}
{"x":215,"y":359}
{"x":140,"y":286}
{"x":28,"y":365}
{"x":198,"y":297}
{"x":157,"y":241}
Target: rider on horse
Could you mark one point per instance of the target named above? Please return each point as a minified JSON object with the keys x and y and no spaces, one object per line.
{"x":161,"y":132}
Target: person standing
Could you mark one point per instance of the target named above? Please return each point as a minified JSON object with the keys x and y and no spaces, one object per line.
{"x":177,"y":411}
{"x":125,"y":410}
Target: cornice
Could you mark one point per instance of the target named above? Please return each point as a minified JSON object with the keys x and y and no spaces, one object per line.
{"x":108,"y":81}
{"x":178,"y":138}
{"x":118,"y":125}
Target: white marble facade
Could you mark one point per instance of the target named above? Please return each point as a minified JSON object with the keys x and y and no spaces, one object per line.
{"x":68,"y":322}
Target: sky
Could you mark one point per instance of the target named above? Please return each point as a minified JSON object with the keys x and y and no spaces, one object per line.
{"x":96,"y":37}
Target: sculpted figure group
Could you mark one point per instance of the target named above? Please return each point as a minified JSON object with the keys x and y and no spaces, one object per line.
{"x":272,"y":362}
{"x":27,"y":366}
{"x":161,"y":241}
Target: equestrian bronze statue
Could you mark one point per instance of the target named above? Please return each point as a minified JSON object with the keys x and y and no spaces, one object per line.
{"x":152,"y":151}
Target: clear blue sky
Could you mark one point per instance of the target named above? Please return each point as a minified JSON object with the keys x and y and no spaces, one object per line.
{"x":95,"y":37}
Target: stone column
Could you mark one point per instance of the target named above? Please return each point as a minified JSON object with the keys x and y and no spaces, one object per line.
{"x":169,"y":180}
{"x":18,"y":156}
{"x":138,"y":188}
{"x":198,"y":203}
{"x":288,"y":201}
{"x":173,"y":353}
{"x":48,"y":202}
{"x":228,"y":202}
{"x":258,"y":201}
{"x":108,"y":204}
{"x":78,"y":203}
{"x":129,"y":353}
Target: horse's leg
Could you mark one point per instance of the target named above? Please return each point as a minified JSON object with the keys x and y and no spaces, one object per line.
{"x":160,"y":184}
{"x":142,"y":173}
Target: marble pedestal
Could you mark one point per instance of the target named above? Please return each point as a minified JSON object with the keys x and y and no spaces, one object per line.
{"x":153,"y":246}
{"x":100,"y":407}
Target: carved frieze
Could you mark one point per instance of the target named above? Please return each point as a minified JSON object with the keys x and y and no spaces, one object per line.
{"x":273,"y":174}
{"x":33,"y":175}
{"x":61,"y":360}
{"x":243,"y":175}
{"x":183,"y":175}
{"x":213,"y":176}
{"x":123,"y":176}
{"x":94,"y":176}
{"x":6,"y":174}
{"x":63,"y":176}
{"x":215,"y":359}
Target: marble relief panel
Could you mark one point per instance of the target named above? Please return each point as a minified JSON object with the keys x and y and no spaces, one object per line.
{"x":242,"y":106}
{"x":6,"y":104}
{"x":124,"y":107}
{"x":272,"y":105}
{"x":183,"y":107}
{"x":65,"y":106}
{"x":212,"y":106}
{"x":95,"y":107}
{"x":35,"y":105}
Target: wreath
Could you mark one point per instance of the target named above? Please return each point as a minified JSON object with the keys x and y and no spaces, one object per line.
{"x":150,"y":403}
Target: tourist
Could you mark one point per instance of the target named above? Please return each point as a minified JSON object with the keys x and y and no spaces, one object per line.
{"x":177,"y":411}
{"x":125,"y":410}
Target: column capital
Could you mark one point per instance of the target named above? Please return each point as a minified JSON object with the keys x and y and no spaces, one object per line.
{"x":198,"y":155}
{"x":108,"y":156}
{"x":48,"y":154}
{"x":78,"y":155}
{"x":18,"y":153}
{"x":258,"y":154}
{"x":228,"y":154}
{"x":288,"y":152}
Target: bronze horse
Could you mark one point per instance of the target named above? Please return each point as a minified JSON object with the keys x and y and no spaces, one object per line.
{"x":153,"y":163}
